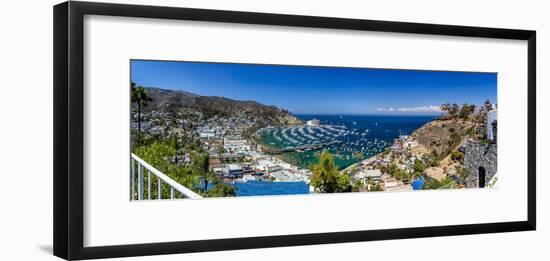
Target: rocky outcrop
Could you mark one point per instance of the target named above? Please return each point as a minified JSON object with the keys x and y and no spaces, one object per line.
{"x":481,"y":160}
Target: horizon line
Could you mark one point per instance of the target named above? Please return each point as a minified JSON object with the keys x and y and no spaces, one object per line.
{"x":365,"y":114}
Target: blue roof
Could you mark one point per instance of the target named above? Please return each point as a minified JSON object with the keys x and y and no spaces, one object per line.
{"x":418,"y":184}
{"x":261,"y":188}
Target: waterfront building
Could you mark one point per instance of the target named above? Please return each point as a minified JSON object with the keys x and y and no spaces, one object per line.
{"x":268,"y":166}
{"x":313,"y":122}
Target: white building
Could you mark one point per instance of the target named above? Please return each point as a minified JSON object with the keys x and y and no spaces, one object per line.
{"x":313,"y":122}
{"x":410,"y":144}
{"x":363,"y":175}
{"x":235,"y":144}
{"x":207,"y":134}
{"x":248,"y":177}
{"x":219,"y":171}
{"x":397,"y":146}
{"x":284,"y":175}
{"x":268,"y":166}
{"x":491,"y":129}
{"x":403,"y":137}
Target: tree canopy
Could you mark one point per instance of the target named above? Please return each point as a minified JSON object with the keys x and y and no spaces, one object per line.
{"x":326,"y":177}
{"x":196,"y":176}
{"x":466,"y":110}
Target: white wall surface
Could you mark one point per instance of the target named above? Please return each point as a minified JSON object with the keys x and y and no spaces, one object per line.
{"x":26,"y":129}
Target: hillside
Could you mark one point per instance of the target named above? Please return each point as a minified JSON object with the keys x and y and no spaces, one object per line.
{"x":209,"y":106}
{"x":443,"y":135}
{"x":437,"y":144}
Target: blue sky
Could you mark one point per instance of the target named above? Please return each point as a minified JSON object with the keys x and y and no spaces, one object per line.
{"x":321,"y":90}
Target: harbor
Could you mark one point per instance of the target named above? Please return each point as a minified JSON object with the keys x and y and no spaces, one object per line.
{"x":348,"y":138}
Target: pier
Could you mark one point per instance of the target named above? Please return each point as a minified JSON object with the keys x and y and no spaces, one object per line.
{"x":306,"y":147}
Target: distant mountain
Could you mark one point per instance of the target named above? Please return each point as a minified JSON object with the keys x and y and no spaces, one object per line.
{"x":179,"y":101}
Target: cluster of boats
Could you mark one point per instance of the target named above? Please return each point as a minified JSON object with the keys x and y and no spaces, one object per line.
{"x":338,"y":139}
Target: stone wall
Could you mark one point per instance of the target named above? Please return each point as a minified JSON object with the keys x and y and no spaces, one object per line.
{"x":478,"y":155}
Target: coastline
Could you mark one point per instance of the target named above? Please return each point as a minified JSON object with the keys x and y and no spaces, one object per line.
{"x":370,"y":135}
{"x":364,"y":161}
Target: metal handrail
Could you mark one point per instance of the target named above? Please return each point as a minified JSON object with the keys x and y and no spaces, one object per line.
{"x":174,"y":185}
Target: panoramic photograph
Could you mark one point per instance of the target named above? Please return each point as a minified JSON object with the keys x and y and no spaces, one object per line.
{"x":204,"y":129}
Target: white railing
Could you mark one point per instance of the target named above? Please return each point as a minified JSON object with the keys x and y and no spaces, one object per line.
{"x":162,"y":178}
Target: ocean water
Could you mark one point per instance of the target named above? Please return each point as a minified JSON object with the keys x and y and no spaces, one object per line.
{"x":341,"y":135}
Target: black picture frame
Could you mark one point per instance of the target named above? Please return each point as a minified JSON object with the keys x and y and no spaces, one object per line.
{"x":69,"y":118}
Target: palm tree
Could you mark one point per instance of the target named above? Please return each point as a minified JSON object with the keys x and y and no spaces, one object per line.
{"x":176,"y":149}
{"x":200,"y":169}
{"x":140,"y":97}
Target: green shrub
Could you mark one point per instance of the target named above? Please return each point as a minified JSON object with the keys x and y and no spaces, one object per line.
{"x":457,"y":155}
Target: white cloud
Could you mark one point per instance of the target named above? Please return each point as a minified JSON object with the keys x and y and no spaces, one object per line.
{"x":429,"y":108}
